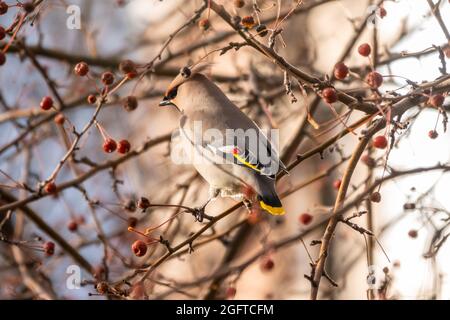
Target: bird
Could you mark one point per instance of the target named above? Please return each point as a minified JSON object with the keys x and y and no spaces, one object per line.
{"x":226,"y":147}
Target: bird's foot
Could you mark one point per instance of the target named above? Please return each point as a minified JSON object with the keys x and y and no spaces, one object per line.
{"x":199,"y":213}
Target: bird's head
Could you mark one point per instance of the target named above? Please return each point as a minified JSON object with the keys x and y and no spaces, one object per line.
{"x":181,"y":89}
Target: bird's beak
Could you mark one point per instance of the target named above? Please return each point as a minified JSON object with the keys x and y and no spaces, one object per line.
{"x":165,"y":102}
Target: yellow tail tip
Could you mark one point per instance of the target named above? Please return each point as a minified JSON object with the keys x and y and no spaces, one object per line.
{"x":276,"y":211}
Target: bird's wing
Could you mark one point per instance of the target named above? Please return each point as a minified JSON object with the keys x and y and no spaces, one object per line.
{"x":259,"y":154}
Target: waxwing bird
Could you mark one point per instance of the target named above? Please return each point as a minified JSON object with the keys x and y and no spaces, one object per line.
{"x":226,"y":147}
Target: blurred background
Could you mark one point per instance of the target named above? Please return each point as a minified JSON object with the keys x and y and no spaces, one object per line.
{"x":408,"y":222}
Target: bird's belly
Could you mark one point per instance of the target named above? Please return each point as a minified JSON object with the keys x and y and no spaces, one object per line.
{"x":212,"y":168}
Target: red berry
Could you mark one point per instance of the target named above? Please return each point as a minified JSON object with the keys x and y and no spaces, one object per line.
{"x":127,"y":66}
{"x":46,"y":103}
{"x":123,"y":147}
{"x":364,"y":49}
{"x":3,"y":7}
{"x":59,"y":119}
{"x":2,"y":58}
{"x":28,"y":7}
{"x":204,"y":24}
{"x":2,"y":33}
{"x":375,"y":197}
{"x":340,"y":71}
{"x":305,"y":218}
{"x":239,"y":3}
{"x":72,"y":226}
{"x":267,"y":264}
{"x":380,"y":142}
{"x":382,"y":12}
{"x":433,"y":134}
{"x":132,"y":74}
{"x":130,"y":103}
{"x":107,"y":78}
{"x":81,"y":69}
{"x":143,"y":203}
{"x":413,"y":233}
{"x":248,"y":22}
{"x":337,"y":184}
{"x":139,"y":248}
{"x":49,"y":248}
{"x":50,"y":187}
{"x":329,"y":95}
{"x":436,"y":100}
{"x":374,"y":79}
{"x":230,"y":293}
{"x":91,"y":99}
{"x":109,"y":145}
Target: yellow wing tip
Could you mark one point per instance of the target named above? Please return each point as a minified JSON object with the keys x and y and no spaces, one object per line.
{"x":276,"y":211}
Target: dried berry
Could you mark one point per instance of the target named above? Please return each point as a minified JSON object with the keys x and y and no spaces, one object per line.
{"x":50,"y":187}
{"x":107,"y":78}
{"x":204,"y":24}
{"x":409,"y":206}
{"x":239,"y":3}
{"x":132,"y":222}
{"x":127,"y":66}
{"x":436,"y":100}
{"x":230,"y":293}
{"x":374,"y":79}
{"x":2,"y":33}
{"x":143,"y":203}
{"x":248,"y":22}
{"x":413,"y":233}
{"x":139,"y":248}
{"x":433,"y":134}
{"x":329,"y":95}
{"x":267,"y":264}
{"x":91,"y":99}
{"x":81,"y":69}
{"x":130,"y":103}
{"x":340,"y":71}
{"x":49,"y":248}
{"x":261,"y":29}
{"x":364,"y":49}
{"x":72,"y":225}
{"x":375,"y":197}
{"x":28,"y":7}
{"x":3,"y":7}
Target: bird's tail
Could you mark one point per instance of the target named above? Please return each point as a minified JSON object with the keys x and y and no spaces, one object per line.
{"x":271,"y":203}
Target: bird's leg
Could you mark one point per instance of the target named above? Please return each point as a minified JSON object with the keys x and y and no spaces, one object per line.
{"x":199,"y":212}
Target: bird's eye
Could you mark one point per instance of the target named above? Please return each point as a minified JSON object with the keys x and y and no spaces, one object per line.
{"x":172,"y":93}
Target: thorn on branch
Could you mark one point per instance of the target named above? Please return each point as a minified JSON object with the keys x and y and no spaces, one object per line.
{"x":166,"y":243}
